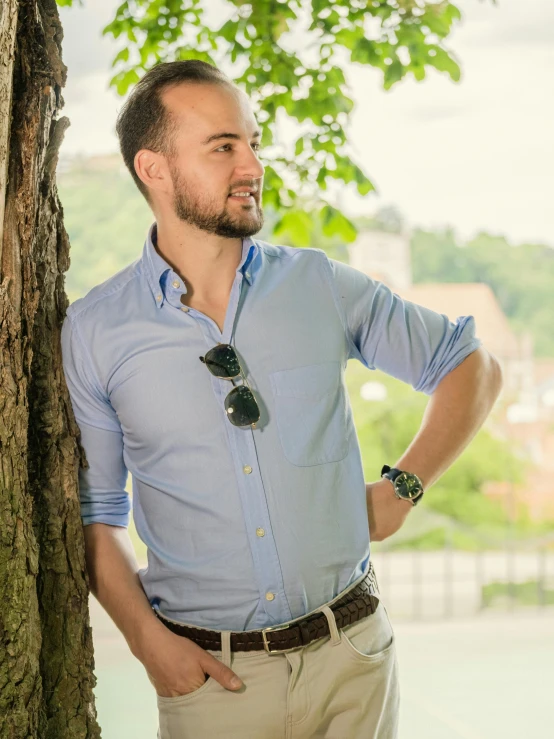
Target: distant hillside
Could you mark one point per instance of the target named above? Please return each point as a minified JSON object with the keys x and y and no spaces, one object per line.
{"x":106,"y":219}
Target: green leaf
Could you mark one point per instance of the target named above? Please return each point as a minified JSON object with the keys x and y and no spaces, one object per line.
{"x":273,"y":184}
{"x":453,"y":13}
{"x":393,"y":73}
{"x":115,"y":28}
{"x":364,"y":185}
{"x":267,"y":136}
{"x":185,"y":52}
{"x":122,"y":56}
{"x":228,"y":31}
{"x":349,"y":37}
{"x":418,"y":70}
{"x":444,"y":63}
{"x":123,"y":80}
{"x":321,"y":175}
{"x":334,"y":223}
{"x":271,"y":179}
{"x":436,"y":20}
{"x":364,"y":52}
{"x":298,"y":225}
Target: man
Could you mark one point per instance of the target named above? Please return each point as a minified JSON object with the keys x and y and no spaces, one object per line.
{"x":211,"y":368}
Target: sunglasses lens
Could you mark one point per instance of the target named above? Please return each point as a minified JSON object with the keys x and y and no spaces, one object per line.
{"x":222,"y":361}
{"x":241,"y":406}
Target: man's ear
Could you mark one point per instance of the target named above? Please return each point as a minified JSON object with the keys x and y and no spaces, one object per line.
{"x":152,"y":169}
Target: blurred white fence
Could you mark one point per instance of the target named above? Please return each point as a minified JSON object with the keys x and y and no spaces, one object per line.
{"x":450,"y":584}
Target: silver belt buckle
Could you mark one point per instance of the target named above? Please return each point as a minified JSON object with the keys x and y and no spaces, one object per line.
{"x":373,"y":581}
{"x":266,"y":645}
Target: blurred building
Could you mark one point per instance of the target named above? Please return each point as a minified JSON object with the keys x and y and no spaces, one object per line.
{"x":385,"y":256}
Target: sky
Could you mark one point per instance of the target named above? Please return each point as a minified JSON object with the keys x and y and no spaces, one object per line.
{"x":477,"y":155}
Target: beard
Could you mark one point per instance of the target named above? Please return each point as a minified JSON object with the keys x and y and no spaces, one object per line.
{"x":207,"y":215}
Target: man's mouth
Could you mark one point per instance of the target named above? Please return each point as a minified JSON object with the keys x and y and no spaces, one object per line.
{"x":244,"y":196}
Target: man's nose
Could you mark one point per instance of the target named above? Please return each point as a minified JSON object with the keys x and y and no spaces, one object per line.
{"x":250,"y":166}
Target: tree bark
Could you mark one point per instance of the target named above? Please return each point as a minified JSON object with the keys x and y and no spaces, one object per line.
{"x":46,"y":652}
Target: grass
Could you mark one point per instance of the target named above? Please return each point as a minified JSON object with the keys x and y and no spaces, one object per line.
{"x":529,"y":593}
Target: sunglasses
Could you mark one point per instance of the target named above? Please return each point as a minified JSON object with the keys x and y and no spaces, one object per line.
{"x":240,"y":404}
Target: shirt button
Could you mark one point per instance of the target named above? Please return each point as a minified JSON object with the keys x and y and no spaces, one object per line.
{"x":269,"y":596}
{"x":175,"y":283}
{"x":158,"y":297}
{"x":185,"y":308}
{"x":247,"y":469}
{"x":260,"y":532}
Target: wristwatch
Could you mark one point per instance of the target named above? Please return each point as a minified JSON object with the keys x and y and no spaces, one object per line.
{"x":407,"y":486}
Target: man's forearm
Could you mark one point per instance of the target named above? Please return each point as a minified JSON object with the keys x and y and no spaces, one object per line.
{"x":112,"y":569}
{"x":455,"y":412}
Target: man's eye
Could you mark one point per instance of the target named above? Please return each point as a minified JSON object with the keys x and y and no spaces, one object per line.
{"x":225,"y":146}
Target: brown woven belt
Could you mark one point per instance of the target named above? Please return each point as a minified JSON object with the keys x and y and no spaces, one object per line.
{"x":358,"y":603}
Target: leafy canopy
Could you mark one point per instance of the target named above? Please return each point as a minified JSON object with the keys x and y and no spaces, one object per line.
{"x":254,"y":45}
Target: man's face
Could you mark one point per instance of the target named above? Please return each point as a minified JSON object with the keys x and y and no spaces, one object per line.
{"x":216,"y":154}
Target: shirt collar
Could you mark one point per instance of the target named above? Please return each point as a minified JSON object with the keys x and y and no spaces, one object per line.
{"x":155,"y":266}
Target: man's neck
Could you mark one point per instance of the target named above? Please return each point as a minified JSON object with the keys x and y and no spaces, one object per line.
{"x":207,"y":263}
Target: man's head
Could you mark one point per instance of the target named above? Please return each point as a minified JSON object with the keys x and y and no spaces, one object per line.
{"x":189,"y":139}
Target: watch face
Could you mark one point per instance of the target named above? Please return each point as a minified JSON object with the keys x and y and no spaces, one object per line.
{"x":408,"y":486}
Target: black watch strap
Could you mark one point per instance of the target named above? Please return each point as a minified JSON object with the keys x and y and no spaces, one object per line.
{"x":395,"y":472}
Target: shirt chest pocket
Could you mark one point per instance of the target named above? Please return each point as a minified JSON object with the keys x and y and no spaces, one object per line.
{"x":311,"y":413}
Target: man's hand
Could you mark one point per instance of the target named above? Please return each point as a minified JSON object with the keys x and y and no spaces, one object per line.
{"x":176,"y":665}
{"x":385,"y":512}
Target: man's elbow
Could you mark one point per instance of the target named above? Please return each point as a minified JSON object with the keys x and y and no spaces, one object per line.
{"x":494,"y":372}
{"x":499,"y":376}
{"x":487,"y":370}
{"x":481,"y":370}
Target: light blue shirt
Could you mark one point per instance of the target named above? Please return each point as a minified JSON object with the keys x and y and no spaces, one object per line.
{"x":245,"y":528}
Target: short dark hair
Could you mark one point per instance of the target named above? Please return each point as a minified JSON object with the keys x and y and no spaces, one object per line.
{"x":145,"y":123}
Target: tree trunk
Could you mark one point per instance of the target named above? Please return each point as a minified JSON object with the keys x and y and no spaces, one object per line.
{"x":46,"y":654}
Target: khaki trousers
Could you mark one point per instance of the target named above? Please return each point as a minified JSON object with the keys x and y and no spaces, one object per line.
{"x":342,"y":686}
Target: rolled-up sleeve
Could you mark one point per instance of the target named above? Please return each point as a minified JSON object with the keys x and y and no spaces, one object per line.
{"x":102,"y":486}
{"x":403,"y":339}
